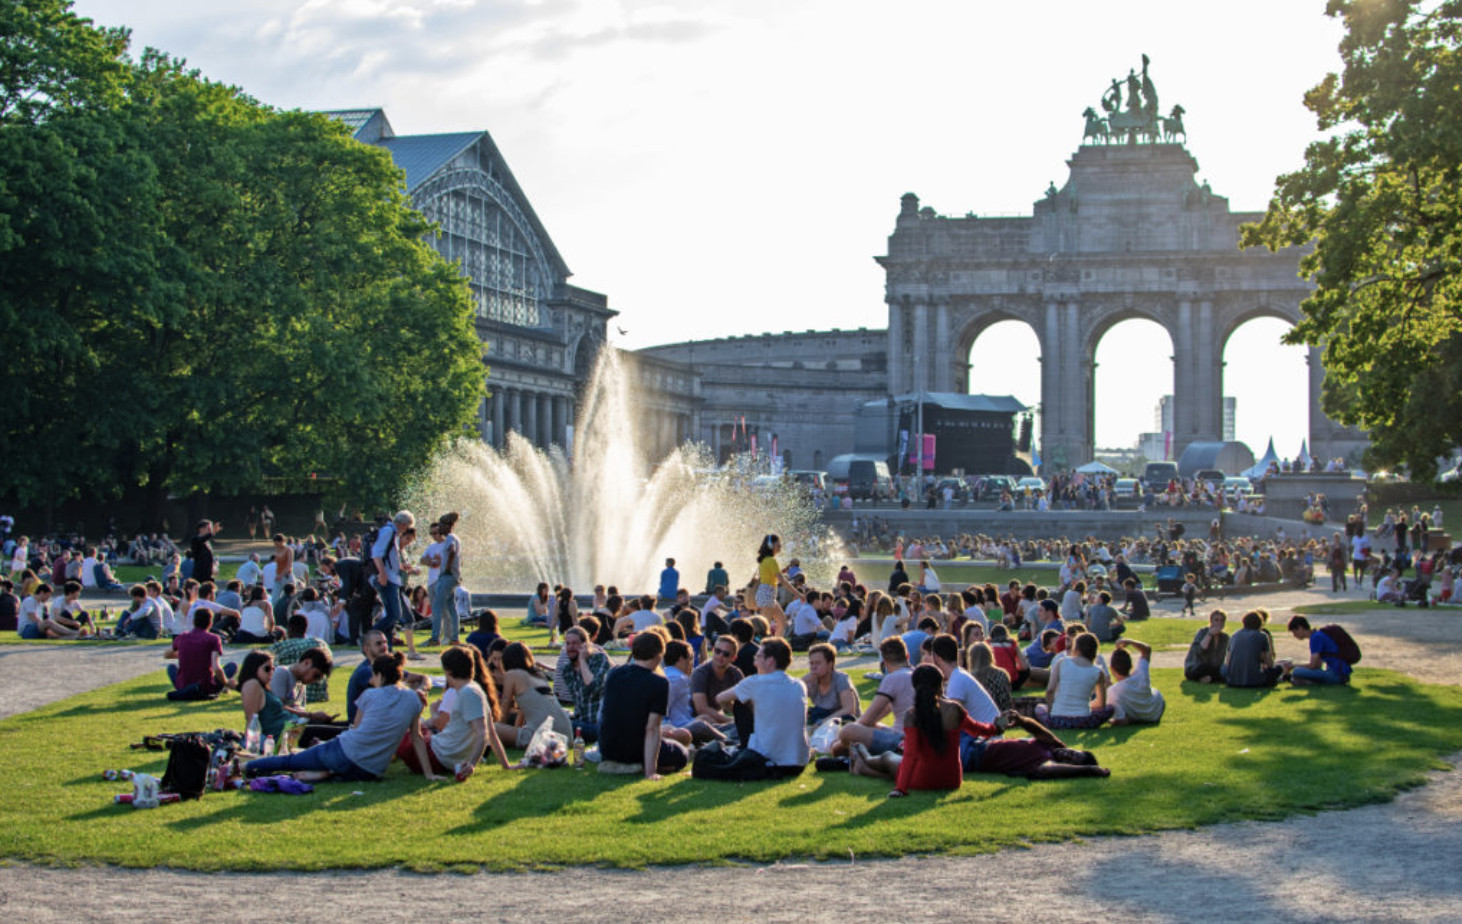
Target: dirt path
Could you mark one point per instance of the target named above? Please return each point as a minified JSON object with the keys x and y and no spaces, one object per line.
{"x":1390,"y":862}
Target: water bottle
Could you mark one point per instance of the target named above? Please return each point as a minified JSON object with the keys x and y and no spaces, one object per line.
{"x":268,"y":745}
{"x":578,"y":750}
{"x":252,"y":735}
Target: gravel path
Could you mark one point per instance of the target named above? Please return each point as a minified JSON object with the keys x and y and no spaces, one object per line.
{"x":1390,"y":862}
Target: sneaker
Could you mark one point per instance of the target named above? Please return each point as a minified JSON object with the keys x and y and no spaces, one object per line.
{"x":833,"y":765}
{"x":416,"y":656}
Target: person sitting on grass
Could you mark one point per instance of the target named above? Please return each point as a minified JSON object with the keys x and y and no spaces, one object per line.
{"x":482,"y":637}
{"x":362,"y":752}
{"x":980,"y":662}
{"x":1103,"y":621}
{"x":895,"y":695}
{"x":198,"y":673}
{"x":1250,"y":660}
{"x":1325,"y":666}
{"x":933,"y":731}
{"x":585,"y":669}
{"x":458,"y":746}
{"x":1077,"y":682}
{"x":256,"y":622}
{"x":1132,"y":697}
{"x":715,"y":676}
{"x":777,"y":746}
{"x":1008,"y":657}
{"x":636,"y":699}
{"x":1206,"y":654}
{"x":1135,"y":607}
{"x":829,"y":691}
{"x":961,"y":685}
{"x":527,"y":690}
{"x":68,"y":619}
{"x":35,"y":612}
{"x":374,"y":645}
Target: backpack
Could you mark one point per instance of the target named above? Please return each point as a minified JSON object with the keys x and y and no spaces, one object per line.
{"x":189,"y":758}
{"x":1349,"y":651}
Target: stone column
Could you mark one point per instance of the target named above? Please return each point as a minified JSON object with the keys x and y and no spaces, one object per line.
{"x":922,"y":359}
{"x":530,"y":417}
{"x":897,"y":360}
{"x":545,"y":420}
{"x":1052,"y":398}
{"x":1208,"y":376}
{"x":498,"y":419}
{"x":515,"y":407}
{"x":944,"y":365}
{"x":1185,"y":384}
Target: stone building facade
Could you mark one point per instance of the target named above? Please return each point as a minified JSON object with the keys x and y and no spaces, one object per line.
{"x":804,"y":389}
{"x":540,"y":334}
{"x":1131,"y":234}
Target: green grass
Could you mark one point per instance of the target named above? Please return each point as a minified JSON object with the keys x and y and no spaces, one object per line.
{"x":1220,"y":755}
{"x":1164,"y":634}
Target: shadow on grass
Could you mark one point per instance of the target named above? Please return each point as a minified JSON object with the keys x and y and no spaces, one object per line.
{"x":1234,"y":697}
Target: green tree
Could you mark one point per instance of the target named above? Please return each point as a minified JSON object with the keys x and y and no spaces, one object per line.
{"x":199,"y":291}
{"x":1380,"y":198}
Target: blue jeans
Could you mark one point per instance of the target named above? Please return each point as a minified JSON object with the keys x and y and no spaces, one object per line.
{"x":143,"y":628}
{"x":390,"y":595}
{"x":31,"y":630}
{"x":444,"y":610}
{"x":327,"y":755}
{"x":1323,"y":675}
{"x":589,"y":731}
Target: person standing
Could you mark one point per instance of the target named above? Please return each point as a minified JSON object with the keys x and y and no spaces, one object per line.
{"x":386,"y":560}
{"x":449,"y":577}
{"x":201,"y":548}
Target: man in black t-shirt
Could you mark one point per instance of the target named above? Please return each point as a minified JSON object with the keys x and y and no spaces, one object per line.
{"x":202,"y":550}
{"x":355,"y":595}
{"x":635,"y":703}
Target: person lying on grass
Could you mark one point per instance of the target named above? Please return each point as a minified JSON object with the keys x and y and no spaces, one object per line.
{"x":471,"y":716}
{"x":362,"y":752}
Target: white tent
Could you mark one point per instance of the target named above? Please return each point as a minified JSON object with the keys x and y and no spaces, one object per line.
{"x":1097,"y":468}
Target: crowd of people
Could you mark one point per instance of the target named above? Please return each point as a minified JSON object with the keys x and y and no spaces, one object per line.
{"x":706,"y":683}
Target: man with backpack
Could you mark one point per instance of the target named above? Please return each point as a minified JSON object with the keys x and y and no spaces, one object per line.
{"x":1332,"y":652}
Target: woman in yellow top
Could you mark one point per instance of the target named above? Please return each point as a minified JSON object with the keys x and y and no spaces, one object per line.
{"x":769,"y":573}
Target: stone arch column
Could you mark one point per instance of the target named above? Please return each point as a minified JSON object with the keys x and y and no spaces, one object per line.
{"x":943,"y":367}
{"x":1066,"y":361}
{"x":897,"y":350}
{"x":530,"y":418}
{"x":921,"y":359}
{"x":499,"y":433}
{"x":1197,"y":383}
{"x":515,"y":409}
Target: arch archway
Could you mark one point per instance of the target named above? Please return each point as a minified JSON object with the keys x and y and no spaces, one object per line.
{"x":1269,"y":382}
{"x":1132,"y":384}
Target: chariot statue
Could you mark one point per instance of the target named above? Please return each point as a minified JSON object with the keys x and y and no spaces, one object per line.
{"x":1139,"y":121}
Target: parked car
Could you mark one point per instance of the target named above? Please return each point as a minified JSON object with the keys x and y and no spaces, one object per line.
{"x":1031,"y":483}
{"x":1127,"y":493}
{"x":1158,"y":474}
{"x":812,"y":479}
{"x":992,"y":486}
{"x":869,"y":480}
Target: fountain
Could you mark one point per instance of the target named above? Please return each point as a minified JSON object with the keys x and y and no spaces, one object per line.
{"x":608,"y":517}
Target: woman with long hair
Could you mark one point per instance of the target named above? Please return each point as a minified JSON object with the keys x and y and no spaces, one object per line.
{"x":565,"y":615}
{"x":449,"y":575}
{"x":538,"y":605}
{"x":471,"y":725}
{"x":1076,"y":694}
{"x":931,"y":741}
{"x":526,"y":689}
{"x":769,"y":575}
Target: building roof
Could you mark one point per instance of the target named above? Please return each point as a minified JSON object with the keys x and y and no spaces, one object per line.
{"x":423,"y":155}
{"x":991,"y":404}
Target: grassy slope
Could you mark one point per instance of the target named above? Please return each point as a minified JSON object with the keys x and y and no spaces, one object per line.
{"x":1219,"y":755}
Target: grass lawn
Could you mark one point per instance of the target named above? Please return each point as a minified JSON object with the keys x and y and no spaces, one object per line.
{"x":1220,"y":755}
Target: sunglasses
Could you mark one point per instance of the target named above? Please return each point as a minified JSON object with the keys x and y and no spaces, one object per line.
{"x":723,"y":652}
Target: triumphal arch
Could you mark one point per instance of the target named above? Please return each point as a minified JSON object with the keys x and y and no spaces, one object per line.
{"x":1130,"y":234}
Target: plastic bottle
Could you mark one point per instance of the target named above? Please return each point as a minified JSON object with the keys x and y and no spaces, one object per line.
{"x":253,"y":735}
{"x":578,"y":750}
{"x":268,"y":746}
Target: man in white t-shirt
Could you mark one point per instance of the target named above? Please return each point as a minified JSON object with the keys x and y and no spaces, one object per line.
{"x":432,"y":558}
{"x":778,"y":741}
{"x":88,"y":569}
{"x":1132,"y":696}
{"x":895,"y":695}
{"x":249,"y":572}
{"x":960,"y":685}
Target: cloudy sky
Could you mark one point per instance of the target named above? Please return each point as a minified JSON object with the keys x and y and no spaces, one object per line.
{"x":725,"y":168}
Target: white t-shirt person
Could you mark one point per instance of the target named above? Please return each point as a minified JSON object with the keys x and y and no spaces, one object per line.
{"x":780,"y":706}
{"x":1134,"y":699}
{"x":964,"y":689}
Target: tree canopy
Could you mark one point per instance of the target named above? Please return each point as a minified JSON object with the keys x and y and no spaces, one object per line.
{"x":1380,"y":198}
{"x":199,"y":291}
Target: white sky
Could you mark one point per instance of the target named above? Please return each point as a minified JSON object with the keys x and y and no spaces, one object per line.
{"x":726,"y":168}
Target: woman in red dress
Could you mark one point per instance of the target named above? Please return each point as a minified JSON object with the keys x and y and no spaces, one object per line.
{"x":931,"y":741}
